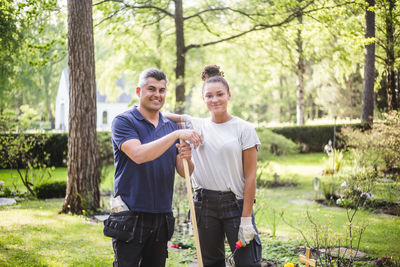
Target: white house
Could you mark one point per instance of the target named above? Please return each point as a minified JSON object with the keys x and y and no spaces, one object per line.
{"x":106,"y":111}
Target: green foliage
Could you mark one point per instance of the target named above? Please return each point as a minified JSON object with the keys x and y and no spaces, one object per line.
{"x":55,"y":146}
{"x":17,"y":148}
{"x":377,"y":147}
{"x":274,"y":144}
{"x":51,"y":189}
{"x":333,"y":162}
{"x":105,"y":154}
{"x":312,"y":138}
{"x":4,"y":190}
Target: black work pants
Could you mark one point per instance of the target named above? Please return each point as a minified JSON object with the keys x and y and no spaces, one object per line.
{"x":218,"y":215}
{"x":148,"y":248}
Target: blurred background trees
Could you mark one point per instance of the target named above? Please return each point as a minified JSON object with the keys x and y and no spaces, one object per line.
{"x":286,"y":61}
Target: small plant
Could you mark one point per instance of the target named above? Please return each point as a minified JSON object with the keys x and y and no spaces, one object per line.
{"x":332,"y":249}
{"x":334,"y":161}
{"x":385,"y":261}
{"x":4,"y":190}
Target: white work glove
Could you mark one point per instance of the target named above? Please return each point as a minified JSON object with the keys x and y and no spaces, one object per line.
{"x":246,"y":231}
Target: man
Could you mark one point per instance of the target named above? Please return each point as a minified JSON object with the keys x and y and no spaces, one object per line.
{"x":145,"y":160}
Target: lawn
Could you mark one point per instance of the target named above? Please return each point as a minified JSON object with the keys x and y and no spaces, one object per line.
{"x":32,"y":233}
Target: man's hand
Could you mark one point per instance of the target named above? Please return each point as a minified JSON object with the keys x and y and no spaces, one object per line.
{"x":191,"y":136}
{"x":185,"y":151}
{"x":246,"y":230}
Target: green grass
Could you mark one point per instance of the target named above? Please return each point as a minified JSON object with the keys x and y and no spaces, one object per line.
{"x":32,"y":233}
{"x":382,"y":235}
{"x":13,"y":181}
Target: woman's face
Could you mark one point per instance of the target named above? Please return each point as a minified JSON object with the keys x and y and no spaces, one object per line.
{"x":216,"y":97}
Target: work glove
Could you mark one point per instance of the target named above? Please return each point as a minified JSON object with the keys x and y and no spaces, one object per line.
{"x":246,"y":231}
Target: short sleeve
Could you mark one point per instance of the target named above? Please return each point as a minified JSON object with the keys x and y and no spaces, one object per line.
{"x":189,"y":122}
{"x":249,"y":137}
{"x":123,"y":130}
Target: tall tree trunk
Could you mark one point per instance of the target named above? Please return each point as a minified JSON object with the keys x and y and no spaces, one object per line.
{"x":180,"y":59}
{"x":367,"y":113}
{"x":389,"y":61}
{"x":83,"y":174}
{"x":300,"y":73}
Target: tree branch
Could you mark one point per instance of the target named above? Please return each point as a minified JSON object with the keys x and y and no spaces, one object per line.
{"x":110,"y":16}
{"x":207,"y":28}
{"x":255,"y":28}
{"x":221,"y":9}
{"x":162,"y":10}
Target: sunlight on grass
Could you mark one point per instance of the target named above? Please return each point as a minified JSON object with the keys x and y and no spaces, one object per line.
{"x":36,"y":234}
{"x":32,"y":233}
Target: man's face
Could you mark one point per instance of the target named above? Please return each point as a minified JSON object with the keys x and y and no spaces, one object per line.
{"x":152,"y":94}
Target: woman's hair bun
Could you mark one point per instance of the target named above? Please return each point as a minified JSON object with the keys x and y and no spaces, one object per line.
{"x":210,"y":71}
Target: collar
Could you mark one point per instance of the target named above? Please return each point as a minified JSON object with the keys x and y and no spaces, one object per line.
{"x":140,"y":117}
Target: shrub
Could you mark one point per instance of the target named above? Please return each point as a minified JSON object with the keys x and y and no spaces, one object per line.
{"x":274,"y":144}
{"x":55,"y":189}
{"x":377,"y":147}
{"x":105,"y":155}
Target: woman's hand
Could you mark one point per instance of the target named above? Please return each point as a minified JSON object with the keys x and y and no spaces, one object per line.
{"x":184,"y":150}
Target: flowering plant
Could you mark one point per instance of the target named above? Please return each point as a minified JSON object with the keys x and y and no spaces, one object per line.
{"x":385,"y":261}
{"x":289,"y":264}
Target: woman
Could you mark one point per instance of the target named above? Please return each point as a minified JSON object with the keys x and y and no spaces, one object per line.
{"x":224,"y":177}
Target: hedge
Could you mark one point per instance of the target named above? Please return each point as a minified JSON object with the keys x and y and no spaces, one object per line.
{"x":56,"y":146}
{"x":54,"y":189}
{"x":313,"y":138}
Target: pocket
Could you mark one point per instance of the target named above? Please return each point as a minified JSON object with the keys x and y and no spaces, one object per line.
{"x":121,"y":226}
{"x":170,"y":225}
{"x":197,"y":210}
{"x":257,"y":249}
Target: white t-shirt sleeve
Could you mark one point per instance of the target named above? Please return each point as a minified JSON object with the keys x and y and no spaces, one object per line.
{"x":249,"y":137}
{"x":189,"y":122}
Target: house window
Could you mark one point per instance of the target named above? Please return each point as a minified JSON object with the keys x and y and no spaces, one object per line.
{"x":104,"y":117}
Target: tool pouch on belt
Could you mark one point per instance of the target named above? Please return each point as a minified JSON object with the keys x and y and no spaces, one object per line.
{"x":121,"y":225}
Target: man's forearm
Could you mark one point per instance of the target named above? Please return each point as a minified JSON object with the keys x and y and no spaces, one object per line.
{"x":141,"y":153}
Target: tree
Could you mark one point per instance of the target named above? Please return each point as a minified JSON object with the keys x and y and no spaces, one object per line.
{"x":387,"y":41}
{"x":300,"y":70}
{"x":83,"y":174}
{"x":367,"y":112}
{"x":241,"y":21}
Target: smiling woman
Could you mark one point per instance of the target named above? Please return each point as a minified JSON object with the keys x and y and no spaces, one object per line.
{"x":224,"y":177}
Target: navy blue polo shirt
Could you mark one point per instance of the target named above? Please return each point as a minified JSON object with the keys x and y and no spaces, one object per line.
{"x":146,"y":187}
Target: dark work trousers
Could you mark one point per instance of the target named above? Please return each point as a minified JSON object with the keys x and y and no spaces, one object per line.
{"x":149,"y":245}
{"x":218,"y":215}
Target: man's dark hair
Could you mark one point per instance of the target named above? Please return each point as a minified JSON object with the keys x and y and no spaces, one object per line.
{"x":153,"y":73}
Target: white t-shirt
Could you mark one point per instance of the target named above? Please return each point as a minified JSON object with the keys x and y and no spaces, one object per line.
{"x":218,"y":161}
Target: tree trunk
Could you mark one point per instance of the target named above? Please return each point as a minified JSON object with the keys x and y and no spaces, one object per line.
{"x":389,"y":61}
{"x":367,"y":113}
{"x":300,"y":73}
{"x":180,"y":59}
{"x":83,"y":174}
